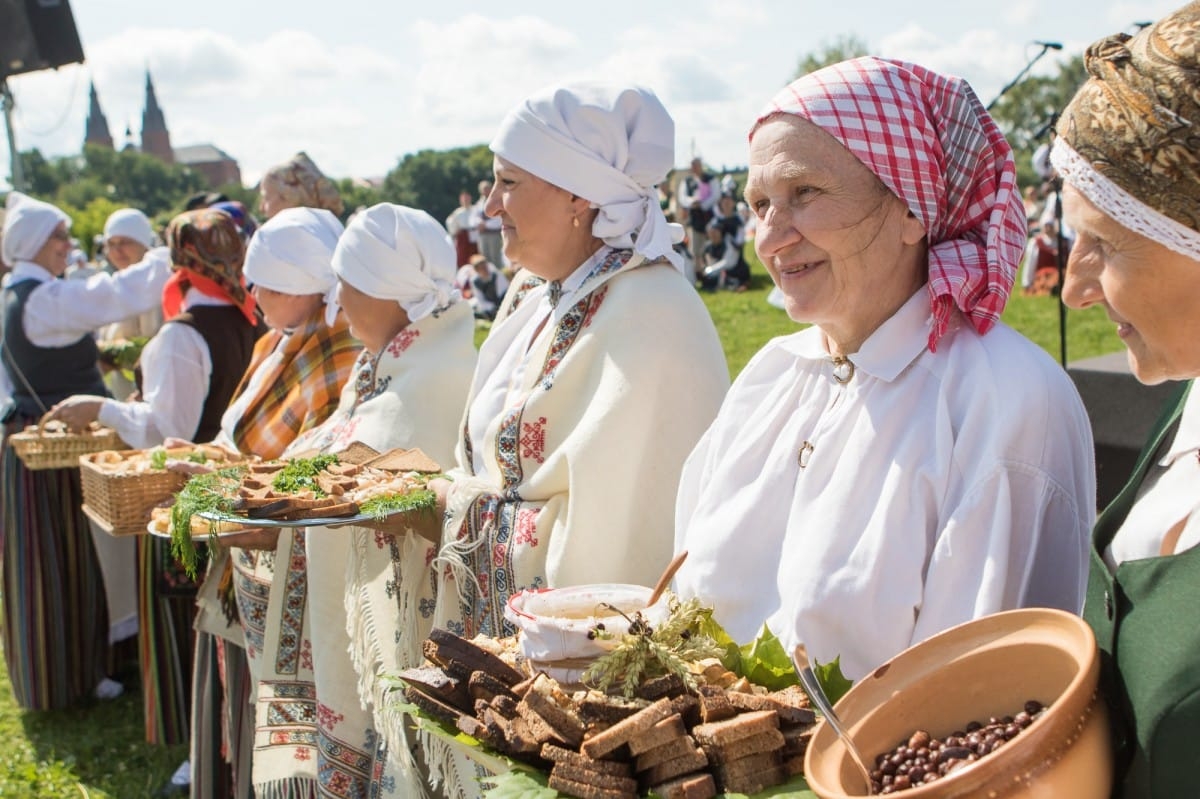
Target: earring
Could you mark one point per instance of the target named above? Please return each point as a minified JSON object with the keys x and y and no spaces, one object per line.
{"x":574,"y":221}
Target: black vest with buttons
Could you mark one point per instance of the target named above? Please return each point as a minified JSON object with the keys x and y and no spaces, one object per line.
{"x":1146,"y":617}
{"x":44,"y":375}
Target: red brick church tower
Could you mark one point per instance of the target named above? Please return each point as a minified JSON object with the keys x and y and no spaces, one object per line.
{"x":97,"y":125}
{"x":156,"y":140}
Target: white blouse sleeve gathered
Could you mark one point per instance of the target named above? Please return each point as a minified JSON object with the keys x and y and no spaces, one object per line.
{"x":176,"y":368}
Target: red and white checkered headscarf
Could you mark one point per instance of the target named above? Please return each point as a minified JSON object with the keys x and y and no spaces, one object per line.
{"x":930,"y":141}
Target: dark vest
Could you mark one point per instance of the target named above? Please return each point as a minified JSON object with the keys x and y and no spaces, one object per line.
{"x":1147,"y":623}
{"x":230,"y":340}
{"x":54,"y":373}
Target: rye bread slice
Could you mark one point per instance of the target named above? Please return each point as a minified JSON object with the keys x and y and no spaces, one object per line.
{"x":785,"y":703}
{"x":542,"y":699}
{"x":664,"y":731}
{"x":668,"y":685}
{"x":676,"y":747}
{"x":440,"y":685}
{"x":688,"y":707}
{"x":694,"y":760}
{"x":514,"y":734}
{"x":796,"y":739}
{"x":720,"y":733}
{"x":608,"y":741}
{"x":589,"y":776}
{"x":763,"y":742}
{"x":558,"y":754}
{"x":794,"y":765}
{"x":751,"y":783}
{"x":715,"y":704}
{"x":442,"y":646}
{"x":599,"y":709}
{"x":482,"y":685}
{"x":583,"y":791}
{"x":433,"y":706}
{"x":691,"y":786}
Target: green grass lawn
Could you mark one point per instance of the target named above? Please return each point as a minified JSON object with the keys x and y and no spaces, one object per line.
{"x":99,"y":751}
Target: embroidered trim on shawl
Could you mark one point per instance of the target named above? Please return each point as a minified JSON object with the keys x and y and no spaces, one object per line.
{"x":291,"y":626}
{"x":343,"y":770}
{"x":253,"y":598}
{"x":522,"y":291}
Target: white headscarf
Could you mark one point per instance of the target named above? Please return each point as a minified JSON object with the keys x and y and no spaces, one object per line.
{"x":391,"y":252}
{"x":611,"y":145}
{"x":28,"y":224}
{"x":292,"y":253}
{"x":130,"y":223}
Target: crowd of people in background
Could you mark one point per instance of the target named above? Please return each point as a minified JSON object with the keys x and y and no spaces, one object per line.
{"x":898,"y":243}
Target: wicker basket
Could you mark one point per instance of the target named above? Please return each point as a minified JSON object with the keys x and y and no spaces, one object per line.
{"x":121,"y":503}
{"x":39,"y":450}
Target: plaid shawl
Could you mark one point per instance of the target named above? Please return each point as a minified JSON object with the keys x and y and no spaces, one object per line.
{"x":316,"y":363}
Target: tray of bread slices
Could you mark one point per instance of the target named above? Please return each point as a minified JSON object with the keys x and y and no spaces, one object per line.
{"x":52,"y":445}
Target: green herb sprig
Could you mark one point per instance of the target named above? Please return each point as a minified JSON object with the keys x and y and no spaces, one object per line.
{"x":203,"y":493}
{"x":645,"y":652}
{"x":300,"y":475}
{"x":158,"y":458}
{"x":384,"y":505}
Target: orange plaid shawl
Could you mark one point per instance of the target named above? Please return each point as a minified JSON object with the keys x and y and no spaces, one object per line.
{"x":317,"y":361}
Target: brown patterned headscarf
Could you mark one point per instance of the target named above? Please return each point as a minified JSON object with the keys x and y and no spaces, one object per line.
{"x":1135,"y":126}
{"x":207,"y":253}
{"x":302,"y":185}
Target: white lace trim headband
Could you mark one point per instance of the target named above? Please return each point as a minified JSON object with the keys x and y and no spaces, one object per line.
{"x":1121,"y":205}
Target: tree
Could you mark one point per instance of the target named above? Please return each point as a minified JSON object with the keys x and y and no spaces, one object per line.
{"x":432,"y":179}
{"x":843,"y":47}
{"x":1028,"y":110}
{"x":357,"y":194}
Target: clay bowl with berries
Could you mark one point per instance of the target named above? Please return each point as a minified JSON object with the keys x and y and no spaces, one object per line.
{"x":1003,"y":707}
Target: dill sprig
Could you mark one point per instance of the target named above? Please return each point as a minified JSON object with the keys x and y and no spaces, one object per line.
{"x":158,"y":458}
{"x":300,"y":475}
{"x":203,"y":493}
{"x":384,"y":505}
{"x":646,"y":652}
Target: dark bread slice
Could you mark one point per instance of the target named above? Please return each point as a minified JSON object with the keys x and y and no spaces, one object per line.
{"x":664,"y":731}
{"x":433,"y":706}
{"x":714,"y":704}
{"x":558,"y":754}
{"x":694,"y":760}
{"x":514,"y":733}
{"x":440,"y":685}
{"x":583,"y":791}
{"x":598,"y":709}
{"x":504,"y":705}
{"x":748,"y":764}
{"x":482,"y":685}
{"x":676,"y":747}
{"x":592,"y":777}
{"x":763,"y":742}
{"x":442,"y":645}
{"x":327,"y":511}
{"x":668,"y":685}
{"x":752,"y":783}
{"x":796,"y":739}
{"x":540,"y":700}
{"x":744,"y":725}
{"x":784,"y":703}
{"x":794,"y":765}
{"x":690,"y":786}
{"x":688,"y":707}
{"x":611,"y":739}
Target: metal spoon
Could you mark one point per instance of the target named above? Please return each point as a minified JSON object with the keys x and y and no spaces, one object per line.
{"x":812,"y":686}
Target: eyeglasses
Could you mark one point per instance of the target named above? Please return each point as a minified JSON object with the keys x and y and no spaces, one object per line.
{"x":61,"y":235}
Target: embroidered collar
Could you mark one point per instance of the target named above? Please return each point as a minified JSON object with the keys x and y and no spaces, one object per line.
{"x":887,"y":352}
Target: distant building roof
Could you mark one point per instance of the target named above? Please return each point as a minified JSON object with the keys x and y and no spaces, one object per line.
{"x":200,"y":154}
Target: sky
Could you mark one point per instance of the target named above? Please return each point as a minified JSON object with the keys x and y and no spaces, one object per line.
{"x":358,"y":84}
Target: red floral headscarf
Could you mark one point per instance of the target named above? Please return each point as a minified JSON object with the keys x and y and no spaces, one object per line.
{"x":929,"y":140}
{"x":207,"y":252}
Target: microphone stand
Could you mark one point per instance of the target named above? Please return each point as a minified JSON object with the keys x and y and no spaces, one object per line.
{"x":1061,"y":257}
{"x":1045,"y":49}
{"x":16,"y":177}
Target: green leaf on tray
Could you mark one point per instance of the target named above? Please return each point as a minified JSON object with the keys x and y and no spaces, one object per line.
{"x":518,"y":785}
{"x":833,"y":682}
{"x":764,"y":661}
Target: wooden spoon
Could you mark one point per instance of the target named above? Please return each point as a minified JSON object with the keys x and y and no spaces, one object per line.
{"x":665,"y":579}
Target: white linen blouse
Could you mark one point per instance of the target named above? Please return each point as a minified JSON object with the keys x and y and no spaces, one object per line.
{"x":1165,"y":498}
{"x":935,"y":488}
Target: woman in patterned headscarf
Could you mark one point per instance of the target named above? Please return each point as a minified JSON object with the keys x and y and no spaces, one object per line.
{"x":909,"y":462}
{"x":1128,"y":152}
{"x":297,"y":183}
{"x":189,"y":372}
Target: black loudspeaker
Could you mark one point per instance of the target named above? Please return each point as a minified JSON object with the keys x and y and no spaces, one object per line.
{"x":37,"y":35}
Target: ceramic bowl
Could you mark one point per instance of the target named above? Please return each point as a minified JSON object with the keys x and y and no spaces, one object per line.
{"x":984,"y":668}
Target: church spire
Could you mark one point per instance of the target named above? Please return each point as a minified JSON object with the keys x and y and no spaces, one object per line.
{"x":96,"y":131}
{"x":156,"y":140}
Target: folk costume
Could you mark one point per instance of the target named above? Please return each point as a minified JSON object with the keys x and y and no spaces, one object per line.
{"x":55,"y":625}
{"x":291,"y":387}
{"x":323,"y":621}
{"x":1127,"y":143}
{"x":942,"y":472}
{"x":621,"y":354}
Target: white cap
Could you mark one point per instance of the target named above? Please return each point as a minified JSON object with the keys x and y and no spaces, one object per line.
{"x":130,"y":223}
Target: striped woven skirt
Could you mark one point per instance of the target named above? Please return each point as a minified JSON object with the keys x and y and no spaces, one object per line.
{"x":166,"y":610}
{"x":55,"y":619}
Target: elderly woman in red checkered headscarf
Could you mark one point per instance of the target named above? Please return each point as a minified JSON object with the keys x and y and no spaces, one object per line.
{"x":907,"y":462}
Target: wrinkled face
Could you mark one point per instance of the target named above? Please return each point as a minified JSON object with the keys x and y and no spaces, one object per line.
{"x":1150,"y":292}
{"x":536,"y":218}
{"x":836,"y":242}
{"x":53,"y":255}
{"x":286,"y":311}
{"x":123,"y":251}
{"x":270,"y":198}
{"x":373,"y":321}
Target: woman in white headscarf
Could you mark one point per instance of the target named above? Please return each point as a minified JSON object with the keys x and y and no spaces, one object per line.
{"x":291,"y":387}
{"x":395,"y":269}
{"x":601,"y":372}
{"x":55,"y":625}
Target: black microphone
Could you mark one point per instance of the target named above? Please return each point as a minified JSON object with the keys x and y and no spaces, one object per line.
{"x":1050,"y":45}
